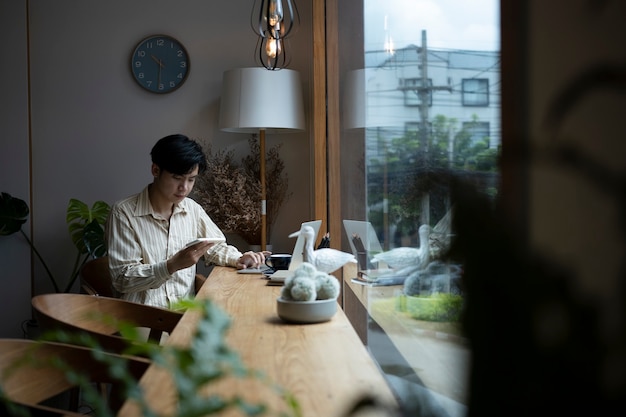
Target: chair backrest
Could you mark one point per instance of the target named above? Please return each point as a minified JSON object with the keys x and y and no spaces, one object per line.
{"x":82,"y":313}
{"x":95,"y":278}
{"x":29,"y":377}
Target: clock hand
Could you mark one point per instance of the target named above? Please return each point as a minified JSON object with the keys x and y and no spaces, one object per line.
{"x":158,"y":61}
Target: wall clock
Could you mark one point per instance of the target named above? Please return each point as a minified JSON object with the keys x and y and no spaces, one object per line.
{"x":160,"y":64}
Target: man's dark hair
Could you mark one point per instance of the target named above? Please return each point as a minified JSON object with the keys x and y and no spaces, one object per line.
{"x":178,"y":154}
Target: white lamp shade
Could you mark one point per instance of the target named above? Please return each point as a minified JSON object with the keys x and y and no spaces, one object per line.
{"x":256,"y":99}
{"x":366,"y":104}
{"x":354,"y":100}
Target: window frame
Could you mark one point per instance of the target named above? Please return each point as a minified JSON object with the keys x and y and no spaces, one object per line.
{"x":477,"y":128}
{"x":512,"y":97}
{"x":413,"y":87}
{"x":482,"y":83}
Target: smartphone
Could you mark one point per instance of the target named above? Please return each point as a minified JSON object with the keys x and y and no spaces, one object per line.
{"x":206,"y":239}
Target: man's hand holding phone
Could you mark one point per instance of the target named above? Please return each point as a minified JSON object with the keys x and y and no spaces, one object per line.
{"x":191,"y":253}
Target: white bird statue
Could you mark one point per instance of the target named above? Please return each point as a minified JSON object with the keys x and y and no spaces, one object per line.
{"x":404,"y":257}
{"x":326,"y":260}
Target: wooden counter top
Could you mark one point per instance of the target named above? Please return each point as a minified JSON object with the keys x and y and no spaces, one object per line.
{"x":324,"y":365}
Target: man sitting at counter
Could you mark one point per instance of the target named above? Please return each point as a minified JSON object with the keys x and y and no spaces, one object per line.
{"x":148,"y":233}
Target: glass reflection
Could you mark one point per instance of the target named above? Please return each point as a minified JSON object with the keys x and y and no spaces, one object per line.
{"x":423,"y":101}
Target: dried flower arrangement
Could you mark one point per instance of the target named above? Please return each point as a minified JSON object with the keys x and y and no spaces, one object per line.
{"x":231,"y":192}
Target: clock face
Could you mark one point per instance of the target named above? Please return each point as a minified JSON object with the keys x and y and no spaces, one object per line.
{"x":160,"y":64}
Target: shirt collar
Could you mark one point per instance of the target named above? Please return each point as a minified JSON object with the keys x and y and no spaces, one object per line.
{"x":144,"y":207}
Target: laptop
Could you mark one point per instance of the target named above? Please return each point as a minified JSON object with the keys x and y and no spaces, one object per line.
{"x":260,"y":270}
{"x":364,"y":242}
{"x":297,"y":257}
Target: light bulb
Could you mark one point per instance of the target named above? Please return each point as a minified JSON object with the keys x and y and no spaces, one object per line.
{"x":273,"y":47}
{"x":275,"y":12}
{"x":273,"y":21}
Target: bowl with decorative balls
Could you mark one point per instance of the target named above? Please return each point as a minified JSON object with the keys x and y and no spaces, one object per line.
{"x":308,"y":296}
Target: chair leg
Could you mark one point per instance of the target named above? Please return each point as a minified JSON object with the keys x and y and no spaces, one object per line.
{"x":104,"y":390}
{"x":155,"y":336}
{"x":200,"y":279}
{"x":74,"y":398}
{"x":117,"y":397}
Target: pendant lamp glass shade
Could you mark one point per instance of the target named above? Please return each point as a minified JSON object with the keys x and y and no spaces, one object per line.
{"x":255,"y":99}
{"x":273,"y":21}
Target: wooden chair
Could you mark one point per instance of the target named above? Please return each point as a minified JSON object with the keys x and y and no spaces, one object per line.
{"x":30,"y":380}
{"x":95,"y":278}
{"x":83,"y":314}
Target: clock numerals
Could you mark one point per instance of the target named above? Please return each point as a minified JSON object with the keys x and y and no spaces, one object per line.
{"x":160,"y":64}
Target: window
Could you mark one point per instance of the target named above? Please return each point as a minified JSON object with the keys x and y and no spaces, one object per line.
{"x":411,"y":88}
{"x":394,"y":166}
{"x":476,"y":92}
{"x":411,"y":127}
{"x":478,"y":132}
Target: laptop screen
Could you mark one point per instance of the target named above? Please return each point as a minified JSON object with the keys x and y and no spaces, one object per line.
{"x":297,"y":257}
{"x":363,"y":242}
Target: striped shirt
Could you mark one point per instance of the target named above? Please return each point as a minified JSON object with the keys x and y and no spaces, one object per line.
{"x":140,"y":242}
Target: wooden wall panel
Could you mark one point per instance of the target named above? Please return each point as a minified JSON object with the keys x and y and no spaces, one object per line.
{"x":318,"y":128}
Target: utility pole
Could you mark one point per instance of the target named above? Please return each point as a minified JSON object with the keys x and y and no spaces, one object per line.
{"x":423,"y":91}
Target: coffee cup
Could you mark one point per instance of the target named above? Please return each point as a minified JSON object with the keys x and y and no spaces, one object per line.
{"x":278,"y":261}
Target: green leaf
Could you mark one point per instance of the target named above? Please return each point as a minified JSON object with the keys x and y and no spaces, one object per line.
{"x":13,"y":214}
{"x":100,"y":211}
{"x":83,"y":224}
{"x":94,"y":241}
{"x":77,"y":211}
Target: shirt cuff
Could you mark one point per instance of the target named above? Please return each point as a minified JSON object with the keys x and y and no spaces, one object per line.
{"x":160,"y":272}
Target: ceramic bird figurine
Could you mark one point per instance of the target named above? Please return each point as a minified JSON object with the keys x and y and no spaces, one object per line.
{"x":404,"y":257}
{"x":326,"y":259}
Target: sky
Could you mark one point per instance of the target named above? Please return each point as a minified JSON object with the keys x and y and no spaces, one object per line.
{"x":452,"y":24}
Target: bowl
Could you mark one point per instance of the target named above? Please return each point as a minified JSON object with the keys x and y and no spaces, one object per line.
{"x":306,"y":311}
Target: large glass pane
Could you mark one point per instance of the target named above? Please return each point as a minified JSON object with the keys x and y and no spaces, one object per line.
{"x":421,"y":103}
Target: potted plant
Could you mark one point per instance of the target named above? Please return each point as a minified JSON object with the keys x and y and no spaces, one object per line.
{"x":230,"y":192}
{"x":207,"y":360}
{"x":308,"y":296}
{"x":85,"y":226}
